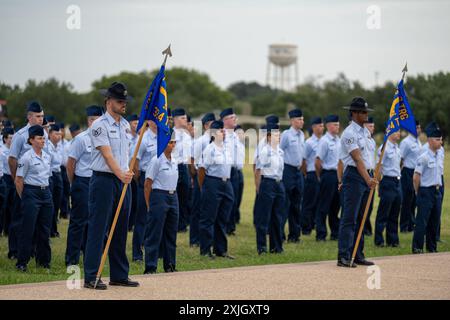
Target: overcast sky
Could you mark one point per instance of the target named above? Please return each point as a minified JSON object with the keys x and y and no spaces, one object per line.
{"x":226,"y":39}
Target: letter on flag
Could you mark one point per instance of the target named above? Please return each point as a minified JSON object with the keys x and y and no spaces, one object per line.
{"x":401,"y":115}
{"x":155,"y":108}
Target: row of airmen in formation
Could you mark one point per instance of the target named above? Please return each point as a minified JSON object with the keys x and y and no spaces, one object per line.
{"x":199,"y":182}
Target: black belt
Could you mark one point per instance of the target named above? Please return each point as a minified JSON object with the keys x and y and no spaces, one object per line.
{"x":329,"y":170}
{"x":369,"y":171}
{"x":395,"y":179}
{"x":217,"y":178}
{"x":270,"y":178}
{"x":436,"y":187}
{"x":103,"y":174}
{"x":29,"y":186}
{"x":165,"y":191}
{"x":291,"y":166}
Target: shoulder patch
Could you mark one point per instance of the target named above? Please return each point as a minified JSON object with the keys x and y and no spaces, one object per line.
{"x":349,"y":140}
{"x":97,"y":132}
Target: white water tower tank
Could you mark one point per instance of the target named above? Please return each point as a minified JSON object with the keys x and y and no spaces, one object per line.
{"x":282,"y":59}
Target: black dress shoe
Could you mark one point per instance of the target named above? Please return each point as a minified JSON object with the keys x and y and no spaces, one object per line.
{"x":364,"y":262}
{"x":276,"y":251}
{"x":124,"y":283}
{"x":138,"y":260}
{"x":43,"y":265}
{"x":293,"y":240}
{"x":321,"y":240}
{"x":208,"y":255}
{"x":91,"y":285}
{"x":21,"y":267}
{"x":417,"y":251}
{"x":194,"y":245}
{"x":342,"y":262}
{"x":150,"y":271}
{"x":225,"y":255}
{"x":12,"y":256}
{"x":379,"y":245}
{"x":394,"y":245}
{"x":170,"y":268}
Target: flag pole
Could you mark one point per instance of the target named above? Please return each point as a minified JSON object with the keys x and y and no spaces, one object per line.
{"x":372,"y":189}
{"x":166,"y":52}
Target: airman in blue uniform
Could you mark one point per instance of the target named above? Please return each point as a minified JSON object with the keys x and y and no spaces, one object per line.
{"x":427,"y":184}
{"x":410,"y":149}
{"x":327,"y":158}
{"x":109,"y":163}
{"x":147,"y":150}
{"x":64,"y":147}
{"x":79,"y":174}
{"x":199,"y":146}
{"x":356,"y":183}
{"x":19,"y":146}
{"x":217,"y":194}
{"x":182,"y":154}
{"x":312,"y":186}
{"x":133,"y":136}
{"x":370,"y":125}
{"x":293,"y":146}
{"x":268,"y":215}
{"x":56,"y":181}
{"x":10,"y":188}
{"x":161,"y":179}
{"x":390,"y":194}
{"x":32,"y":185}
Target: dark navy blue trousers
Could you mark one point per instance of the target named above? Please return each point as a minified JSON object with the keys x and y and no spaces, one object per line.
{"x":355,"y":195}
{"x":217,"y":204}
{"x":134,"y":205}
{"x":408,"y":207}
{"x":65,"y":203}
{"x":269,"y":214}
{"x":15,"y":228}
{"x":183,"y":196}
{"x":77,"y":233}
{"x":8,"y":203}
{"x":194,"y":237}
{"x":57,"y":190}
{"x":328,"y":205}
{"x":309,"y":208}
{"x":140,"y":221}
{"x":161,"y":230}
{"x":37,"y":213}
{"x":429,"y":205}
{"x":442,"y":189}
{"x":293,"y":181}
{"x":390,"y":193}
{"x":235,"y":182}
{"x":104,"y":195}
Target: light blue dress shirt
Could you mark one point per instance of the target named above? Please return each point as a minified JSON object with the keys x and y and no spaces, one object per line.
{"x":431,"y":169}
{"x":410,"y":149}
{"x":217,"y":161}
{"x":147,"y":149}
{"x":271,"y":162}
{"x":105,"y":131}
{"x":311,"y":152}
{"x":328,"y":151}
{"x":355,"y":137}
{"x":390,"y":165}
{"x":56,"y":156}
{"x":163,"y":172}
{"x":293,"y":145}
{"x":35,"y":169}
{"x":81,"y":152}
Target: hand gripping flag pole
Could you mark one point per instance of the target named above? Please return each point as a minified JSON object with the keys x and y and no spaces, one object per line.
{"x":394,"y":113}
{"x":146,"y":105}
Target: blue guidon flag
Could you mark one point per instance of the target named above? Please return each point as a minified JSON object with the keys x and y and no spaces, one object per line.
{"x":401,"y":115}
{"x":155,"y":108}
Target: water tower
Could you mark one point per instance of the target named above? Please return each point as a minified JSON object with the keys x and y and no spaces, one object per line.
{"x":282,"y":68}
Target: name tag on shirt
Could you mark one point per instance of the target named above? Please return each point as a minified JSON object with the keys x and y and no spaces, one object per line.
{"x":114,"y":134}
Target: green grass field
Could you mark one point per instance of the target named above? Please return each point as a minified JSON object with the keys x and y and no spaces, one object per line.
{"x":242,"y":246}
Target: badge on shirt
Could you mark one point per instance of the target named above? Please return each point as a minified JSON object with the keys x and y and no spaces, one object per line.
{"x":349,"y":141}
{"x":97,"y":132}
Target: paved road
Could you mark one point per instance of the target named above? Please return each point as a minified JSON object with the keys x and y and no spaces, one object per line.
{"x":402,"y":277}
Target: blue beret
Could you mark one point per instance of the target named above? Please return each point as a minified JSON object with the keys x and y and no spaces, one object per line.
{"x":370,"y":120}
{"x":296,"y":113}
{"x":44,"y":122}
{"x":178,"y":112}
{"x":217,"y":124}
{"x":272,"y":119}
{"x":132,"y":117}
{"x":7,"y":123}
{"x":50,"y":118}
{"x":94,"y":111}
{"x":264,"y":127}
{"x":34,"y":106}
{"x":7,"y":130}
{"x":316,"y":120}
{"x":74,"y":127}
{"x":226,"y":112}
{"x":35,"y":130}
{"x":432,"y":130}
{"x":208,"y":117}
{"x":54,"y":127}
{"x":331,"y":118}
{"x":272,"y":126}
{"x":61,"y":125}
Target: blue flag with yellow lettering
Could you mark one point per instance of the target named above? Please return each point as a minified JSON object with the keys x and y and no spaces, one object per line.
{"x":155,"y":108}
{"x":401,"y":115}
